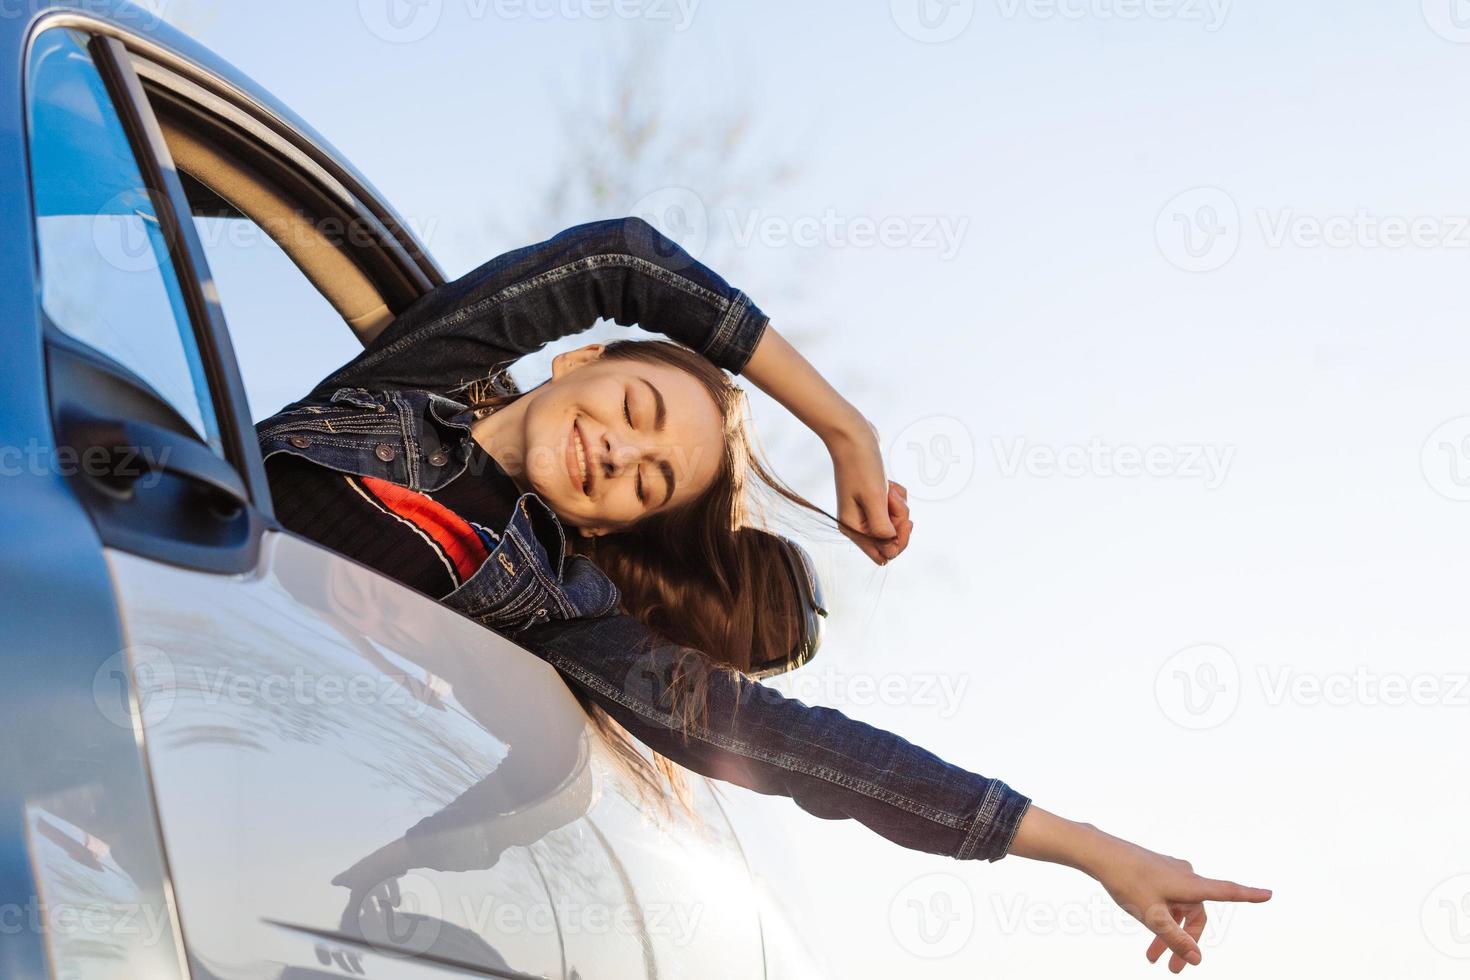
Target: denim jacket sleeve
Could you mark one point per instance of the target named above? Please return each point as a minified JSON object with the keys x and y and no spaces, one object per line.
{"x":623,"y":270}
{"x":830,"y":765}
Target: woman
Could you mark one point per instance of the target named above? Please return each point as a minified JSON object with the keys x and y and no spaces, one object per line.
{"x":420,"y":458}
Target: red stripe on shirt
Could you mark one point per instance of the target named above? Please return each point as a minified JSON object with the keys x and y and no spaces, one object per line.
{"x":450,"y":531}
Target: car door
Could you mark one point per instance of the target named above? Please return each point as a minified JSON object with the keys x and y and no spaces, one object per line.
{"x":294,"y":726}
{"x":350,"y":777}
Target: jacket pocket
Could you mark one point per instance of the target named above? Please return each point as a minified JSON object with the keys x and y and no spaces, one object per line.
{"x":360,"y":397}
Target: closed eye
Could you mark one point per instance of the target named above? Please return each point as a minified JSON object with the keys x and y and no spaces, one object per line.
{"x":626,"y":413}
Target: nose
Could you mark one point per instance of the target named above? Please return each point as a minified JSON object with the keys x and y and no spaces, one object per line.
{"x":622,"y":454}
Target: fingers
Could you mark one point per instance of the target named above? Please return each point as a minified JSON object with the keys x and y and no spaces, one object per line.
{"x":1186,"y":950}
{"x":876,"y":510}
{"x":851,"y":515}
{"x":1215,"y":890}
{"x":1192,"y":919}
{"x":889,"y":521}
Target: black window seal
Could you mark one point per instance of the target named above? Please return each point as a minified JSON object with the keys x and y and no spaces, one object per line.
{"x":221,"y":370}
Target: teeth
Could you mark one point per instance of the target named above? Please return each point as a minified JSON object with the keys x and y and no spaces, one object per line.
{"x":581,"y":459}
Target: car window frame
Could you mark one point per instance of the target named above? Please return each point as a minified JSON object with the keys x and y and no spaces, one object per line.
{"x":105,"y":44}
{"x":144,"y":69}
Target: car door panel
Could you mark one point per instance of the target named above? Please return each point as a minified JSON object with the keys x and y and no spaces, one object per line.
{"x":350,"y":779}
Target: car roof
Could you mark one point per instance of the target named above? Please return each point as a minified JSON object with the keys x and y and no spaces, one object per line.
{"x":143,"y":29}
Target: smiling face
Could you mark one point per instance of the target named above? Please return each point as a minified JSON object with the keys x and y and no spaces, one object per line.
{"x":609,"y":441}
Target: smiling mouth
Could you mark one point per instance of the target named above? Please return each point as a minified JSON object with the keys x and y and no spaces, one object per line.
{"x":582,"y":477}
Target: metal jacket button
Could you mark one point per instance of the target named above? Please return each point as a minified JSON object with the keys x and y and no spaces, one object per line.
{"x":438,"y":458}
{"x":299,"y":441}
{"x":385,"y":452}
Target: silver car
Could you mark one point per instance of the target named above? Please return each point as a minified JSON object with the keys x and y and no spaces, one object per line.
{"x":229,"y":752}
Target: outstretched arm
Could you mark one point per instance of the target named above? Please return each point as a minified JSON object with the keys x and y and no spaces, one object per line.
{"x":830,"y":765}
{"x":1162,"y":892}
{"x":837,"y":767}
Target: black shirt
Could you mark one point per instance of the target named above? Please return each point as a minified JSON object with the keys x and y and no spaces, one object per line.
{"x":429,"y":541}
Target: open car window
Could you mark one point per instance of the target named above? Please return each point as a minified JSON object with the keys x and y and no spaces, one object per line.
{"x":286,"y":334}
{"x":304,"y":264}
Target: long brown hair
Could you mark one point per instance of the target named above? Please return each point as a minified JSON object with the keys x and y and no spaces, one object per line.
{"x":703,"y":575}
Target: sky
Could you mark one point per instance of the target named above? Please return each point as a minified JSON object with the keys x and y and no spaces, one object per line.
{"x":1159,"y":307}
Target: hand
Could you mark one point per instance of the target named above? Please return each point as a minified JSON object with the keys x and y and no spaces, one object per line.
{"x":865,"y":499}
{"x":1167,"y":896}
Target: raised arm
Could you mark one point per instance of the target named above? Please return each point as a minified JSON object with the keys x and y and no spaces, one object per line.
{"x":622,"y":270}
{"x":626,"y":271}
{"x":830,"y":765}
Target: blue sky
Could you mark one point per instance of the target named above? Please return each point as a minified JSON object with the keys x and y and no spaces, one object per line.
{"x":1165,"y":332}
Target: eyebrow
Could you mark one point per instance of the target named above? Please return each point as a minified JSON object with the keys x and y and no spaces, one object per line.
{"x":659,"y":414}
{"x":660,"y":418}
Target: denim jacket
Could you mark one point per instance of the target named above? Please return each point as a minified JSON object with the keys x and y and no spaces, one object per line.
{"x":390,"y":413}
